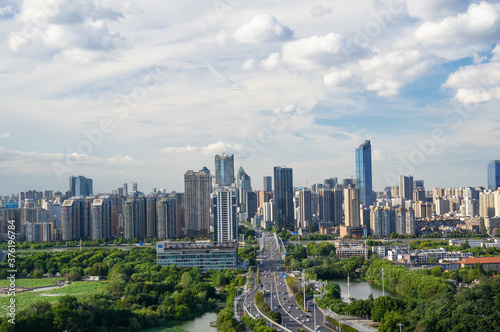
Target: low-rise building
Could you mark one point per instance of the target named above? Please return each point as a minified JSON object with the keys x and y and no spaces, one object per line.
{"x":206,"y":255}
{"x":352,"y":251}
{"x":493,"y":263}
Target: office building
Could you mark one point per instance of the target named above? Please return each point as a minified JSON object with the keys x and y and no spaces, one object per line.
{"x":224,"y":170}
{"x":197,"y":203}
{"x":494,"y":174}
{"x":243,"y":185}
{"x":330,"y":183}
{"x":268,"y":183}
{"x":406,"y":186}
{"x":364,"y":173}
{"x":224,"y":203}
{"x":80,"y":186}
{"x":283,"y":196}
{"x":418,"y":184}
{"x":419,"y":195}
{"x":206,"y":255}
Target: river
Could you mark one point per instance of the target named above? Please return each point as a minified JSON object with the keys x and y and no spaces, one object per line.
{"x":360,"y":289}
{"x":199,"y":324}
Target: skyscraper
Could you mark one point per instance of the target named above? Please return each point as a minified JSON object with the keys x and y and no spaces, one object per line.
{"x":197,"y":198}
{"x":268,"y":183}
{"x":166,"y":216}
{"x":283,"y":196}
{"x":101,"y":218}
{"x":224,"y":207}
{"x":351,"y":207}
{"x":494,"y":174}
{"x":305,"y":207}
{"x":406,"y":186}
{"x":364,"y":172}
{"x":243,"y":185}
{"x":224,"y":170}
{"x":80,"y":186}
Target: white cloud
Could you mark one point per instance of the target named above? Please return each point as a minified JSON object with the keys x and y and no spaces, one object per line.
{"x":6,"y":10}
{"x":479,"y":24}
{"x":211,"y":149}
{"x":337,"y":78}
{"x":321,"y":10}
{"x":477,"y":83}
{"x":248,"y":64}
{"x":55,"y":27}
{"x":262,"y":28}
{"x":271,"y":62}
{"x":385,"y":73}
{"x":435,"y":9}
{"x":5,"y":135}
{"x":313,"y":52}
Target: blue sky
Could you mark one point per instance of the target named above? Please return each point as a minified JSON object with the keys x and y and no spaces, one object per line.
{"x":123,"y":91}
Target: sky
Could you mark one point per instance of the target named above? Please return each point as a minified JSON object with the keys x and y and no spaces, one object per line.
{"x":122,"y":91}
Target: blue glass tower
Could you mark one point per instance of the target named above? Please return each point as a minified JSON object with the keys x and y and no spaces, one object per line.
{"x":494,"y":174}
{"x":364,"y":172}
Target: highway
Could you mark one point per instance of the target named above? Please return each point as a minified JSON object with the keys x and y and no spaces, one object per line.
{"x":278,"y":296}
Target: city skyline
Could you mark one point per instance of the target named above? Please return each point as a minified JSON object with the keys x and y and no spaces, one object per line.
{"x":141,"y":92}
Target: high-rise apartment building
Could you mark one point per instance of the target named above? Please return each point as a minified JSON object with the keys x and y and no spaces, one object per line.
{"x":364,"y":173}
{"x":166,"y":215}
{"x":351,"y":207}
{"x":224,"y":200}
{"x":101,"y":218}
{"x":80,"y":186}
{"x":224,"y":170}
{"x":330,"y":205}
{"x":134,"y":217}
{"x":305,"y":214}
{"x":406,"y":186}
{"x":197,"y":200}
{"x":494,"y":174}
{"x":283,"y":196}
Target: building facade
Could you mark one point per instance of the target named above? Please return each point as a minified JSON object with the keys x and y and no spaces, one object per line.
{"x":364,"y":173}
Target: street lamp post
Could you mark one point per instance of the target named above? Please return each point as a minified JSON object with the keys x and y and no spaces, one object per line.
{"x":400,"y":325}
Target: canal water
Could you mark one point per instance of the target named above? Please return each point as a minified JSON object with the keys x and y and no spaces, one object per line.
{"x":199,"y":324}
{"x":360,"y":289}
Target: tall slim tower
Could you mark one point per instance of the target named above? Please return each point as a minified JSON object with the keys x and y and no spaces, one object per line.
{"x":305,"y":207}
{"x":197,"y":196}
{"x":224,"y":207}
{"x":364,"y":172}
{"x":494,"y":174}
{"x":351,"y":207}
{"x":244,"y":186}
{"x":283,"y":196}
{"x":224,"y":170}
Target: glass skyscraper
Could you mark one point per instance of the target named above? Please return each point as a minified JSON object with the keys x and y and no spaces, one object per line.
{"x":283,"y":196}
{"x":494,"y":174}
{"x":224,"y":170}
{"x":364,"y":172}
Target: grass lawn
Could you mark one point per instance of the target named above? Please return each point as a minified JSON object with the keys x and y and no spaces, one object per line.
{"x":77,"y":289}
{"x":31,"y":282}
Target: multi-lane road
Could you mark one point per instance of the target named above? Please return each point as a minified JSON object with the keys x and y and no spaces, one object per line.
{"x":272,"y":280}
